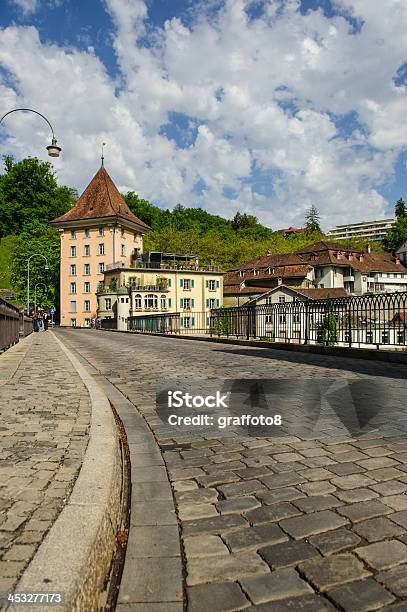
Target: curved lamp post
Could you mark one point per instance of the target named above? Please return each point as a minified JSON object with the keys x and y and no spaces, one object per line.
{"x":53,"y":149}
{"x":35,"y":293}
{"x":28,"y":276}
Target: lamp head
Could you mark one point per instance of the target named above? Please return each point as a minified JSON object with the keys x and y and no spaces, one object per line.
{"x":53,"y":149}
{"x":46,"y":267}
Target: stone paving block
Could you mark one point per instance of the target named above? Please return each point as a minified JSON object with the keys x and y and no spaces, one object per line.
{"x":353,"y":481}
{"x":151,"y":607}
{"x":151,"y":580}
{"x":316,"y":462}
{"x":199,"y":496}
{"x":335,"y":541}
{"x":278,"y":481}
{"x":383,"y":555}
{"x":288,"y":553}
{"x":356,"y":495}
{"x":19,"y":552}
{"x":317,"y":502}
{"x":333,"y":571}
{"x":280,"y":584}
{"x":395,"y":580}
{"x":150,"y":491}
{"x":153,"y":541}
{"x":320,"y":487}
{"x":149,"y":474}
{"x":190,"y":511}
{"x":386,"y":474}
{"x":268,"y":514}
{"x":345,"y":469}
{"x":237,"y":505}
{"x":287,"y":457}
{"x":362,"y":511}
{"x":400,"y":518}
{"x":216,"y":597}
{"x":315,"y":474}
{"x":254,"y":537}
{"x":224,"y":567}
{"x":246,"y":487}
{"x":185,"y":485}
{"x":153,"y":513}
{"x":310,"y":524}
{"x":375,"y":463}
{"x":204,"y":546}
{"x":377,"y":529}
{"x":217,"y":479}
{"x":11,"y":569}
{"x":278,"y":495}
{"x":390,"y":487}
{"x":361,"y":596}
{"x":254,"y":472}
{"x":396,"y":502}
{"x":304,"y":603}
{"x":217,"y":524}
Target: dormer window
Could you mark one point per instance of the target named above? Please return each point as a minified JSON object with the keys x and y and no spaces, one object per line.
{"x":241,"y":273}
{"x":255,"y":272}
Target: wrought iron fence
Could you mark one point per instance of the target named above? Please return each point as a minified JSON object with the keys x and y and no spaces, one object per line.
{"x":369,"y":321}
{"x":10,"y":319}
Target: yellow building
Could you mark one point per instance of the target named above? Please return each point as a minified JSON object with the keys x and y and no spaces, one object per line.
{"x":100,"y":230}
{"x":160,"y":283}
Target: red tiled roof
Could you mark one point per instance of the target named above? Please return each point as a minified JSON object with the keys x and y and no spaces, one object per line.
{"x":233,"y":289}
{"x":323,"y":245}
{"x":101,"y":198}
{"x":322,"y":293}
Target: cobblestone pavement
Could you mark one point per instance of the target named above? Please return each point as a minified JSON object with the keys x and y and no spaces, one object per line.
{"x":314,"y":522}
{"x":45,"y":415}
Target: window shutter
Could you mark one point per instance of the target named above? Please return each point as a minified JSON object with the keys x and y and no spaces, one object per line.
{"x":192,"y":303}
{"x":181,"y":282}
{"x":207,"y":284}
{"x":181,"y":322}
{"x":181,"y":303}
{"x":169,"y":302}
{"x":192,"y":283}
{"x":169,"y":282}
{"x":193,"y":321}
{"x":217,"y":284}
{"x":207,"y":303}
{"x":217,"y":303}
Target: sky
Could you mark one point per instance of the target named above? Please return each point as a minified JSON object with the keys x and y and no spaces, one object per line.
{"x":262,"y":106}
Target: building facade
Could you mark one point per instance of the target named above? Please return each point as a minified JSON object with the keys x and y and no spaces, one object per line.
{"x":369,"y":230}
{"x":160,"y":283}
{"x":99,"y":230}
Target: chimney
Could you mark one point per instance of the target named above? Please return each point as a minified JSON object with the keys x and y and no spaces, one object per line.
{"x":398,"y":262}
{"x":369,"y":250}
{"x":280,"y":280}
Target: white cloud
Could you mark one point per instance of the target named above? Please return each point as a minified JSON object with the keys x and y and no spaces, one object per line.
{"x":262,"y":94}
{"x":27,"y":6}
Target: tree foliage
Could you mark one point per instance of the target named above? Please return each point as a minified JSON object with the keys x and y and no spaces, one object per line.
{"x":312,"y":221}
{"x":396,"y":235}
{"x":400,"y":209}
{"x":28,"y":192}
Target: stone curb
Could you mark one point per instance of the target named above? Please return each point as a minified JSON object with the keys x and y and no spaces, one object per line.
{"x":75,"y":556}
{"x":310,"y":349}
{"x":152,"y":576}
{"x":11,"y":359}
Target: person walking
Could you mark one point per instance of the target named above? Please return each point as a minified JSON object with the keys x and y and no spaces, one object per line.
{"x":45,"y":320}
{"x":36,"y":324}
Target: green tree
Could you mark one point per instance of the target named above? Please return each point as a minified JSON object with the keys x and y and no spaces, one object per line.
{"x":28,"y":192}
{"x":400,"y":209}
{"x":243,"y":221}
{"x":396,"y":235}
{"x":330,"y":330}
{"x":312,"y":221}
{"x":43,"y":239}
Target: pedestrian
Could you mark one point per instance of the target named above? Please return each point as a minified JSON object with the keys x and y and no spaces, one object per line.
{"x":45,"y":320}
{"x":35,"y":321}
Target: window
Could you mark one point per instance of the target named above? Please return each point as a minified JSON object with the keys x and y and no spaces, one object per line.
{"x":101,"y":249}
{"x":73,"y":235}
{"x":186,"y":303}
{"x":87,"y":233}
{"x":72,"y":269}
{"x":86,"y":305}
{"x":101,"y":267}
{"x":123,"y":249}
{"x":400,"y":337}
{"x":186,"y":283}
{"x":270,"y":271}
{"x":72,"y":306}
{"x":211,"y":303}
{"x":108,"y":303}
{"x":72,"y":287}
{"x":137,"y":302}
{"x":163,"y":302}
{"x":86,"y":287}
{"x":212,"y":285}
{"x":187,"y":322}
{"x":385,"y":336}
{"x":282,"y":318}
{"x":87,"y":322}
{"x":150,"y":301}
{"x":73,"y":251}
{"x":101,"y":231}
{"x":369,"y":337}
{"x":86,"y":250}
{"x":86,"y":269}
{"x":255,"y":272}
{"x":269,"y":300}
{"x":269,"y":318}
{"x":241,"y":273}
{"x":73,"y":322}
{"x":281,"y":299}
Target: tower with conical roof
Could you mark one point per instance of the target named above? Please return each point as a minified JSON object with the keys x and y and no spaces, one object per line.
{"x":100,"y":230}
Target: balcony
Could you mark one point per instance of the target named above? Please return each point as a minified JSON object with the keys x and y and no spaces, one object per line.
{"x":149,"y":288}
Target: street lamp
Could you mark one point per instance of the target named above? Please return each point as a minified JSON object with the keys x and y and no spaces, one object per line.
{"x":53,"y":149}
{"x":35,"y":293}
{"x":46,"y":267}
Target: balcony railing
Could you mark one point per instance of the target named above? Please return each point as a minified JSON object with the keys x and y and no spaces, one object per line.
{"x":164,"y":265}
{"x":156,"y":288}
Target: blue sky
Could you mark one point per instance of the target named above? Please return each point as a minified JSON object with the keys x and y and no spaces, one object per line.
{"x":266,"y":106}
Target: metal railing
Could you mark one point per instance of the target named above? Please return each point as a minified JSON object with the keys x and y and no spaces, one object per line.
{"x":163,"y":265}
{"x":12,"y":325}
{"x":369,"y":321}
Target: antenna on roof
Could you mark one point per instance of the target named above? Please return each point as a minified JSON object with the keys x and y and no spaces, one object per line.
{"x":102,"y":156}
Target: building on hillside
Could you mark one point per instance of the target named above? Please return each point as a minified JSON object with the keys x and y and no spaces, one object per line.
{"x":291,"y":231}
{"x":99,"y":230}
{"x":159,"y":283}
{"x":258,"y":275}
{"x":369,"y":230}
{"x":402,"y":252}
